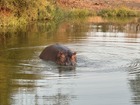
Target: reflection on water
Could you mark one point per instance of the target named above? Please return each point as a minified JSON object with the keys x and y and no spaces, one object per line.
{"x":134,"y":80}
{"x":107,"y":70}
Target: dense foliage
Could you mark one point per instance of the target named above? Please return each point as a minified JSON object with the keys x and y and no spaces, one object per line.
{"x":21,"y":11}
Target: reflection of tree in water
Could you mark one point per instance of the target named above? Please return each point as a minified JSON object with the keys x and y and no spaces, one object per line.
{"x":3,"y":39}
{"x":134,"y":82}
{"x":23,"y":87}
{"x":11,"y":82}
{"x":57,"y":99}
{"x":45,"y":33}
{"x":129,"y":29}
{"x":135,"y":86}
{"x":4,"y":87}
{"x":30,"y":92}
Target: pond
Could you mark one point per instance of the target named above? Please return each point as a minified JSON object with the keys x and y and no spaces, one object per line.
{"x":107,"y":70}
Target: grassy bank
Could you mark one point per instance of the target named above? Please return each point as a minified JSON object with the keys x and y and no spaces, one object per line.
{"x":61,"y":14}
{"x":55,"y":14}
{"x":15,"y":13}
{"x":82,"y":13}
{"x":119,"y":12}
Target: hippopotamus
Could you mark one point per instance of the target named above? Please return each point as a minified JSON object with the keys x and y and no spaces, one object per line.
{"x":59,"y":54}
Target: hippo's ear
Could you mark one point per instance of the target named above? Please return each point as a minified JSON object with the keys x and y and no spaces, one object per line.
{"x":74,"y":53}
{"x":73,"y":57}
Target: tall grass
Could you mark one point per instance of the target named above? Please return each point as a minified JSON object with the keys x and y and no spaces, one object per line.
{"x":118,"y":12}
{"x":80,"y":13}
{"x":72,"y":13}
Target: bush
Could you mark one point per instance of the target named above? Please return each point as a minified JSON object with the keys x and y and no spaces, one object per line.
{"x":14,"y":12}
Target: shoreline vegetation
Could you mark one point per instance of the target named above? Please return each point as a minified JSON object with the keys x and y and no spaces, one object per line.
{"x":21,"y":12}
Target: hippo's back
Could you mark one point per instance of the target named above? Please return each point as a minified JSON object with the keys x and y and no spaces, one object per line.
{"x":50,"y":52}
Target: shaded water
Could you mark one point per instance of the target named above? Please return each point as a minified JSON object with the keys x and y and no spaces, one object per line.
{"x":107,"y":71}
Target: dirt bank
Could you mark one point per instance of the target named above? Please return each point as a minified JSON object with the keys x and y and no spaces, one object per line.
{"x":99,"y":4}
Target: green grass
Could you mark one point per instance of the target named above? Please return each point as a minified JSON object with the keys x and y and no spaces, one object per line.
{"x":80,"y":13}
{"x":118,"y":12}
{"x":61,"y":14}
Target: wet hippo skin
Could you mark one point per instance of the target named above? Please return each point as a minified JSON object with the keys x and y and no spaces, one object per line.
{"x":60,"y":54}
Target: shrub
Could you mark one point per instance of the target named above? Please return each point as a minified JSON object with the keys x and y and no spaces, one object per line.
{"x":14,"y":12}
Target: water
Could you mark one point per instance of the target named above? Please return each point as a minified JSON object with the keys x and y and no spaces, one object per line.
{"x":107,"y":71}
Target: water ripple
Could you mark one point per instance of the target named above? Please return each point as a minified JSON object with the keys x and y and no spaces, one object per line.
{"x":134,"y":67}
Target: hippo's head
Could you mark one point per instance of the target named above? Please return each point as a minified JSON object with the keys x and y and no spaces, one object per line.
{"x":66,"y":58}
